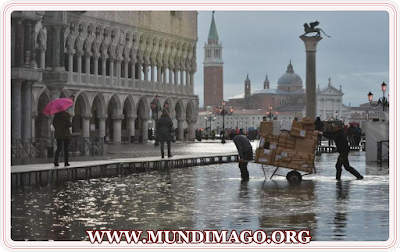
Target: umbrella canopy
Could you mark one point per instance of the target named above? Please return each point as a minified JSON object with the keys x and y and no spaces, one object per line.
{"x":57,"y":105}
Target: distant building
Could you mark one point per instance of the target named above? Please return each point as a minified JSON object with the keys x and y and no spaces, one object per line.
{"x":213,"y":69}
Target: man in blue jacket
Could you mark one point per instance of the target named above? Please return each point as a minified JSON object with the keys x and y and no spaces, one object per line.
{"x":340,"y":138}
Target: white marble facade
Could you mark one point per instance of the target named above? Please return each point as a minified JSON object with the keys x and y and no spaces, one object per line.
{"x":112,"y":64}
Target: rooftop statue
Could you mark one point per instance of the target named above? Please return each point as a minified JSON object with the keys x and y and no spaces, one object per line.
{"x":311,"y":28}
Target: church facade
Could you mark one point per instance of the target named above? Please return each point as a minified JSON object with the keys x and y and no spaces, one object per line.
{"x":111,"y":63}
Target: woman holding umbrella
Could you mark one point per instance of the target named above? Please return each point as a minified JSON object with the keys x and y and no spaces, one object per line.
{"x":61,"y":124}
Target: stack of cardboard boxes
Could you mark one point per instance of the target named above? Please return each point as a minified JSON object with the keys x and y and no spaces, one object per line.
{"x":294,"y":149}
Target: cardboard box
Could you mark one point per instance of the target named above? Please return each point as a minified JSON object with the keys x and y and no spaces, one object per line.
{"x":297,"y":124}
{"x":266,"y":128}
{"x":286,"y":125}
{"x":309,"y":126}
{"x":296,"y":132}
{"x":265,"y":156}
{"x":305,"y":145}
{"x":308,"y":120}
{"x":276,"y":128}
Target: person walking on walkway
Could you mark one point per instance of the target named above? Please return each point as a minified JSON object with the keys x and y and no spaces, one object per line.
{"x":61,"y":124}
{"x":245,"y":154}
{"x":342,"y":146}
{"x":164,"y":129}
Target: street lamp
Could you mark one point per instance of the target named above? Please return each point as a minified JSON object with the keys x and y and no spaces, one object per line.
{"x":268,"y":113}
{"x":336,"y":115}
{"x":222,"y":111}
{"x":382,"y":101}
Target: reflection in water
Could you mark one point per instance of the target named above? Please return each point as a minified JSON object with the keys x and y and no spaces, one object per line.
{"x":284,"y":205}
{"x":210,"y":197}
{"x":340,"y":220}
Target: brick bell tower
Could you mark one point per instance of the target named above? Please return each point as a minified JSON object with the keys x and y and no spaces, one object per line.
{"x":213,"y":69}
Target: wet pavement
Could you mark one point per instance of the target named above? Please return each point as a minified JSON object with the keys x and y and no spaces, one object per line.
{"x":210,"y":197}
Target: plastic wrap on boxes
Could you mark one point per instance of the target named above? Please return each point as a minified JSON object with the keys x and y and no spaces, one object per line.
{"x":276,"y":131}
{"x":286,"y":125}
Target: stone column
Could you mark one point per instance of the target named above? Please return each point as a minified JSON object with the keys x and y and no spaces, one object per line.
{"x":152,"y":72}
{"x":102,"y":125}
{"x":140,"y":64}
{"x":176,"y":76}
{"x":324,"y":111}
{"x":146,"y":71}
{"x":187,"y":79}
{"x":27,"y":42}
{"x":104,"y":67}
{"x":33,"y":44}
{"x":70,"y":65}
{"x":117,"y":128}
{"x":126,"y":63}
{"x":26,"y":110}
{"x":33,"y":129}
{"x":79,"y":65}
{"x":87,"y":66}
{"x":96,"y":67}
{"x":191,"y":82}
{"x":50,"y":134}
{"x":131,"y":122}
{"x":164,"y":74}
{"x":118,"y":72}
{"x":133,"y":70}
{"x":182,"y":79}
{"x":111,"y":68}
{"x":311,"y":93}
{"x":42,"y":57}
{"x":145,"y":128}
{"x":170,"y":76}
{"x":334,"y":107}
{"x":86,"y":126}
{"x":19,"y":47}
{"x":180,"y":129}
{"x":57,"y":65}
{"x":16,"y":109}
{"x":340,"y":109}
{"x":159,"y":73}
{"x":191,"y":130}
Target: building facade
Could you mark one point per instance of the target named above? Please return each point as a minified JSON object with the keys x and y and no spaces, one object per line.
{"x":112,"y":63}
{"x":213,"y":69}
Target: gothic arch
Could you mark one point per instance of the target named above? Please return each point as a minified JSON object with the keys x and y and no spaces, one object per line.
{"x":191,"y":111}
{"x":130,"y":108}
{"x":100,"y":102}
{"x":81,"y":96}
{"x":180,"y":109}
{"x":171,"y":103}
{"x":115,"y":98}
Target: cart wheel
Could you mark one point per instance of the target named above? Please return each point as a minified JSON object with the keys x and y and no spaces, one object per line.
{"x":294,"y":177}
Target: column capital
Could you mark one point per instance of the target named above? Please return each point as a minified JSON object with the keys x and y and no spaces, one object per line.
{"x":191,"y":121}
{"x":34,"y":114}
{"x":310,"y":43}
{"x":79,"y":53}
{"x":117,"y":117}
{"x":131,"y":118}
{"x":88,"y":54}
{"x":102,"y":117}
{"x":145,"y":118}
{"x":96,"y":56}
{"x":86,"y":117}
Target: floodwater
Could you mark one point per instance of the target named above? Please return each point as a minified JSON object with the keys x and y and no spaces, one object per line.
{"x":212,"y":197}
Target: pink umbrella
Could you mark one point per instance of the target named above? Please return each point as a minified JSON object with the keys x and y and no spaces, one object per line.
{"x":57,"y":105}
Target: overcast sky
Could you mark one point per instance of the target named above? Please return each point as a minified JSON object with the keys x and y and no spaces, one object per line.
{"x":263,"y":42}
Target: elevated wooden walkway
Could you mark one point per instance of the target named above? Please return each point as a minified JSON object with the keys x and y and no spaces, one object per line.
{"x":42,"y":174}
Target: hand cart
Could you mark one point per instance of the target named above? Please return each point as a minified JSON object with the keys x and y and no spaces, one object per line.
{"x":292,"y":176}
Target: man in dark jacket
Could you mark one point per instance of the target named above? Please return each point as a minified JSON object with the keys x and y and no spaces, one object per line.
{"x":340,"y":138}
{"x":164,"y":129}
{"x":61,"y":124}
{"x":245,"y":154}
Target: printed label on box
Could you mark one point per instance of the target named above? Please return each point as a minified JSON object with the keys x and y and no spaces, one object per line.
{"x":273,"y":146}
{"x":284,"y":154}
{"x":302,"y":133}
{"x":267,"y":152}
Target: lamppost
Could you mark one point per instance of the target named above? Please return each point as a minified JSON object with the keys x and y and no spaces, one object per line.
{"x":222,"y":111}
{"x":209,"y":118}
{"x":336,"y":115}
{"x":268,"y":113}
{"x":382,"y":101}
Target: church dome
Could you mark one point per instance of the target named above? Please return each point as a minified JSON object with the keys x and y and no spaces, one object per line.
{"x":290,"y":78}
